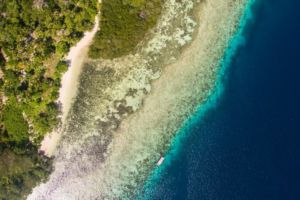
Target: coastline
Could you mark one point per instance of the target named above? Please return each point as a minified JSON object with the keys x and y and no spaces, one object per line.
{"x":185,"y":82}
{"x":69,"y":84}
{"x":77,"y":56}
{"x":235,"y":43}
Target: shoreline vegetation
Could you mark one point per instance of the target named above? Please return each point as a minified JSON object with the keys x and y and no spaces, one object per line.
{"x":34,"y":40}
{"x":137,"y":52}
{"x":35,"y":35}
{"x":104,"y":158}
{"x":124,"y":23}
{"x":69,"y":84}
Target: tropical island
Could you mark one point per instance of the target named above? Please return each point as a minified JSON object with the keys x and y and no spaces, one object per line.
{"x":35,"y":37}
{"x":133,"y":93}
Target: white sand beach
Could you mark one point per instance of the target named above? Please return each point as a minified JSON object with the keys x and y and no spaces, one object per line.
{"x":69,"y":85}
{"x":76,"y":56}
{"x":96,"y":161}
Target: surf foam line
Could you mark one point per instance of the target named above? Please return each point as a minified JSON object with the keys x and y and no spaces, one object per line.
{"x":114,"y":136}
{"x":237,"y":41}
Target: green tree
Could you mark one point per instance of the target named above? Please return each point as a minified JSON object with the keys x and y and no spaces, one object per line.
{"x":62,"y":47}
{"x":14,"y":122}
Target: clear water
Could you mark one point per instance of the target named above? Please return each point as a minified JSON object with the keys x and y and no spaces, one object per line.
{"x":247,"y":144}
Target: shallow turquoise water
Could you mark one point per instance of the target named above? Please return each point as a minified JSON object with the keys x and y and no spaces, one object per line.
{"x":243,"y":143}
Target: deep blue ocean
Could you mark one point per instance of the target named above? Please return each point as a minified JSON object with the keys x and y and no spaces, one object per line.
{"x":247,"y":145}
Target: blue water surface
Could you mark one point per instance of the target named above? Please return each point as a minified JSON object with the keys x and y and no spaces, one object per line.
{"x":247,"y":146}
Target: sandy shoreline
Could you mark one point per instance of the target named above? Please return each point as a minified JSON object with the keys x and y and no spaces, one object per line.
{"x":99,"y":159}
{"x":76,"y":56}
{"x":69,"y":84}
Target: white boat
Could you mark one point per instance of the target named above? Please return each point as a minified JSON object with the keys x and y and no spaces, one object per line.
{"x":160,"y":161}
